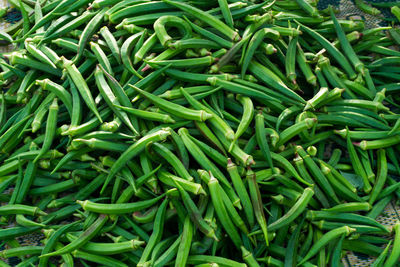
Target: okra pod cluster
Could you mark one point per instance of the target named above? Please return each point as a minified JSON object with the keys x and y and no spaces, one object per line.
{"x":197,"y":133}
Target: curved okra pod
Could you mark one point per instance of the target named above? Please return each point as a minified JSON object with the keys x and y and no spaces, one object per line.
{"x":363,"y":134}
{"x":288,"y":112}
{"x":325,"y":239}
{"x":195,"y":214}
{"x":332,"y":50}
{"x":88,"y":234}
{"x":171,"y":21}
{"x":262,"y":140}
{"x":206,"y":18}
{"x":111,"y":43}
{"x":58,"y":90}
{"x":95,"y":144}
{"x":242,"y":192}
{"x":345,"y":45}
{"x":317,"y":173}
{"x":300,"y":205}
{"x":210,"y":136}
{"x":350,"y":207}
{"x":172,"y":160}
{"x":148,"y":115}
{"x":255,"y":196}
{"x":357,"y":166}
{"x":290,"y":59}
{"x":214,"y":119}
{"x":51,"y":127}
{"x":38,"y":54}
{"x":126,"y":50}
{"x":243,"y":90}
{"x":345,"y":218}
{"x":137,"y":8}
{"x":111,"y":99}
{"x":294,"y":130}
{"x":17,"y":58}
{"x":376,"y":144}
{"x":147,"y":45}
{"x":332,"y":76}
{"x":90,"y":28}
{"x":307,"y":7}
{"x":23,"y":221}
{"x":133,"y":151}
{"x":338,"y":176}
{"x":317,"y":98}
{"x":268,"y":77}
{"x":207,"y":34}
{"x":380,"y":177}
{"x":108,"y":248}
{"x":186,"y":242}
{"x":254,"y":43}
{"x":201,"y":158}
{"x":21,"y":251}
{"x":226,"y":13}
{"x":21,"y":209}
{"x":183,"y":63}
{"x":175,"y":109}
{"x":359,"y":89}
{"x":247,"y":117}
{"x":119,"y":208}
{"x":101,"y":57}
{"x":81,"y":85}
{"x":67,"y":27}
{"x":228,"y":56}
{"x":340,"y":188}
{"x":221,"y":211}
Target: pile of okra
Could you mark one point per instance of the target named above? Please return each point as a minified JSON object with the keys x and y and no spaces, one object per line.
{"x":197,"y":133}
